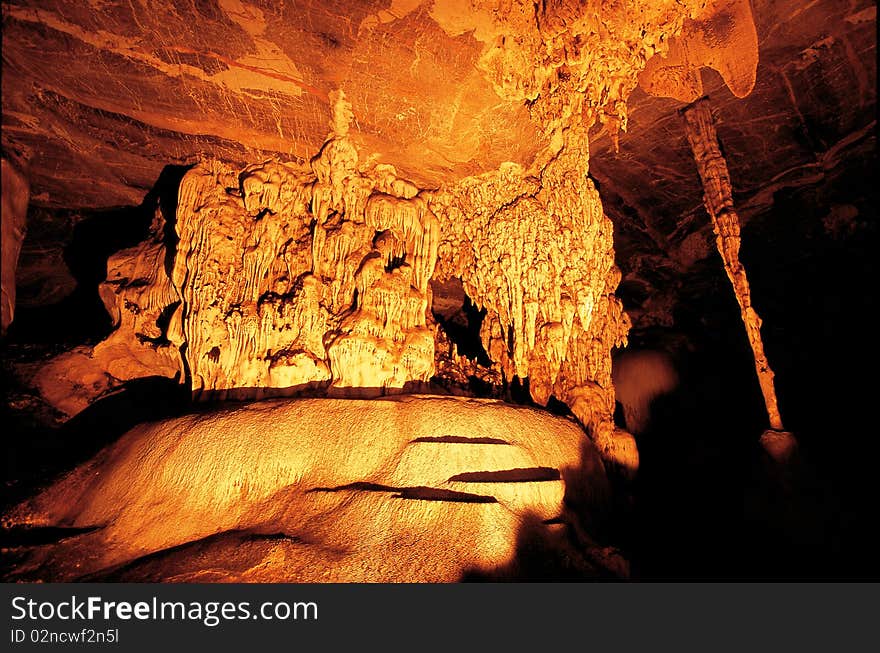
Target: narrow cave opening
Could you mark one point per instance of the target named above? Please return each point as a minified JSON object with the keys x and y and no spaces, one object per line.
{"x":460,"y":319}
{"x":79,"y":316}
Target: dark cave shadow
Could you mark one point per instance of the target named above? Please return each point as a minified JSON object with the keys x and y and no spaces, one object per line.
{"x":466,"y":337}
{"x":135,"y":402}
{"x":416,"y":493}
{"x":312,"y":390}
{"x":81,"y":317}
{"x":34,"y":459}
{"x":709,"y":504}
{"x":30,"y":536}
{"x":566,"y":547}
{"x":519,"y":475}
{"x":693,"y":456}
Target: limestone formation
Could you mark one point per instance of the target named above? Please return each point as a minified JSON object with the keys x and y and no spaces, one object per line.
{"x":722,"y":37}
{"x":285,"y":279}
{"x":536,"y":253}
{"x":140,"y":300}
{"x":429,"y":490}
{"x":399,"y":200}
{"x":286,"y":276}
{"x":292,"y":279}
{"x":443,"y":90}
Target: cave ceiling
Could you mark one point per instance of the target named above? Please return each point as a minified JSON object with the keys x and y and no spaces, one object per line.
{"x":98,"y":97}
{"x":122,"y":89}
{"x":808,"y":125}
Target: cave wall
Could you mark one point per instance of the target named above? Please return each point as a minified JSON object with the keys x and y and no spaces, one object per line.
{"x":444,"y":90}
{"x":13,"y":213}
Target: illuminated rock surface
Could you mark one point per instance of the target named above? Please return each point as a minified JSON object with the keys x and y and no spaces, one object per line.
{"x":445,"y":234}
{"x":408,"y":489}
{"x":282,"y":279}
{"x":444,"y":90}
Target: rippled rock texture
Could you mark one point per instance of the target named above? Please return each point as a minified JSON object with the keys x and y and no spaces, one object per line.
{"x":431,"y":490}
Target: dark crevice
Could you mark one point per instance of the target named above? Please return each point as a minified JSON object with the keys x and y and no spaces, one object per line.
{"x":437,"y":494}
{"x":462,"y":326}
{"x":363,"y":486}
{"x":520,"y":475}
{"x":95,"y":236}
{"x":458,"y":439}
{"x":40,"y":535}
{"x":420,"y":493}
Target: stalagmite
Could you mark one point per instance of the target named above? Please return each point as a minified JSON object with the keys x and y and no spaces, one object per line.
{"x":718,"y":199}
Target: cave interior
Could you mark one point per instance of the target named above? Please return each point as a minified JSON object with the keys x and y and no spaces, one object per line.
{"x":411,"y":290}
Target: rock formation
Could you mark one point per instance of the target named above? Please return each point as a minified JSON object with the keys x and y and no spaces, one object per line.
{"x":443,"y":90}
{"x":290,"y":278}
{"x":722,"y":37}
{"x":15,"y":193}
{"x":280,"y":278}
{"x":536,"y":253}
{"x":444,"y":234}
{"x":283,"y":279}
{"x":718,"y":198}
{"x":429,"y":490}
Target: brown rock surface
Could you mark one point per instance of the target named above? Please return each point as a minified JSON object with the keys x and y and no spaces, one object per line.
{"x":13,"y":214}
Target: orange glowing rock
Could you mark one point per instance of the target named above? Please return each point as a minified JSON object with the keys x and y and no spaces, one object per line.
{"x":405,"y":489}
{"x":294,"y":275}
{"x":444,"y":90}
{"x":287,"y":279}
{"x":718,"y":200}
{"x":722,"y":37}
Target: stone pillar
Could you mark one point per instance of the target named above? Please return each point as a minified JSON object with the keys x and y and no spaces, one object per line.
{"x":718,"y":199}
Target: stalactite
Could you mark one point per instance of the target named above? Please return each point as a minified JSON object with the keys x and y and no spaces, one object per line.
{"x":297,"y":274}
{"x":293,"y":278}
{"x":537,"y":254}
{"x":718,"y":199}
